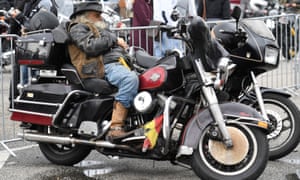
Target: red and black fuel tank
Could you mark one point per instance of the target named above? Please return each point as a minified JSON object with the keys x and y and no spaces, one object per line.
{"x":166,"y":76}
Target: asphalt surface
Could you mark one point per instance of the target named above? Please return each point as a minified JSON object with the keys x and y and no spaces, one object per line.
{"x":31,"y":164}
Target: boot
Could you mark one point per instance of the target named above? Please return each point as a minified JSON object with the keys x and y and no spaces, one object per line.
{"x":119,"y":114}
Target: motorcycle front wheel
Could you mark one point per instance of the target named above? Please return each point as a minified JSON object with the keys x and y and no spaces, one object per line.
{"x":284,"y":116}
{"x":247,"y":158}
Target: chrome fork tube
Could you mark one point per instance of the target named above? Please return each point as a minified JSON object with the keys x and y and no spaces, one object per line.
{"x":211,"y":98}
{"x":259,"y":97}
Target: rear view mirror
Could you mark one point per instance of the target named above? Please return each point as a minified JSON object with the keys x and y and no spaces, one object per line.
{"x":236,"y":12}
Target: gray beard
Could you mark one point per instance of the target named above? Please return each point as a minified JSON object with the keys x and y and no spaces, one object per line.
{"x":100,"y":25}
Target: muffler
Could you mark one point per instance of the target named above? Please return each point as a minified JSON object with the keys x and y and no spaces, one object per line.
{"x":29,"y":136}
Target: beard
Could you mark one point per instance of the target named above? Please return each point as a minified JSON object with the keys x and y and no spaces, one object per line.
{"x":100,"y":25}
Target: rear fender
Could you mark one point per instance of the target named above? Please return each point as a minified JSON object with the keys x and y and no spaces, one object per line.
{"x":234,"y":113}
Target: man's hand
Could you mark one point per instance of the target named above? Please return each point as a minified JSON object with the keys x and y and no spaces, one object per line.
{"x":122,"y":43}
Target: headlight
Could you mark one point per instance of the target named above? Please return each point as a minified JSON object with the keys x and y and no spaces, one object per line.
{"x":271,"y":55}
{"x":143,"y":102}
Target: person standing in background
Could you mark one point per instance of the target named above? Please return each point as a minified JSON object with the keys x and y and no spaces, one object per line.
{"x":122,"y":7}
{"x":142,"y":15}
{"x":213,"y":9}
{"x":162,"y":11}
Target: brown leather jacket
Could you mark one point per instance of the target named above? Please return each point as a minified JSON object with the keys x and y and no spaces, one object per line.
{"x":87,"y":67}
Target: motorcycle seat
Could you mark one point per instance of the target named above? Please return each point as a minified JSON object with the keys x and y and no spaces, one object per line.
{"x":94,"y":85}
{"x":145,"y":60}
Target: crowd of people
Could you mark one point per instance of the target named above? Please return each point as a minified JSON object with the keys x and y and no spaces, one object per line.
{"x":147,"y":11}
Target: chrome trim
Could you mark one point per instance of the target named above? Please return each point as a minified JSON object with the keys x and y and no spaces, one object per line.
{"x":63,"y":140}
{"x":166,"y":121}
{"x":259,"y":97}
{"x":134,"y":138}
{"x":184,"y":150}
{"x":31,"y":112}
{"x":70,"y":94}
{"x":36,"y":102}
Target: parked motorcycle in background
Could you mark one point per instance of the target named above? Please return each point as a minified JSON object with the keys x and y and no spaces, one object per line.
{"x":254,"y":50}
{"x":175,"y":116}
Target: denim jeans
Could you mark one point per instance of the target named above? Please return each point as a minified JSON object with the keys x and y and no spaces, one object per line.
{"x":125,"y":80}
{"x":25,"y":74}
{"x":160,"y":47}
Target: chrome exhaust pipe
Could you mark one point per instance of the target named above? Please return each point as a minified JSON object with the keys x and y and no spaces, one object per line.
{"x":66,"y":140}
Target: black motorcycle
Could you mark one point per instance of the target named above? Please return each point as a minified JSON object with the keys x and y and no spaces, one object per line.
{"x":253,"y":50}
{"x":175,"y":116}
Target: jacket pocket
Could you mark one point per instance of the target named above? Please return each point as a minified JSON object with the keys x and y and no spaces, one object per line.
{"x":90,"y":68}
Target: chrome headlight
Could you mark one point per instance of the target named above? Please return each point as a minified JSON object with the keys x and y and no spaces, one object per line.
{"x":143,"y":102}
{"x":271,"y":55}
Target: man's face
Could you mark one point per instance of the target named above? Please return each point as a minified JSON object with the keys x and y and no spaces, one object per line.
{"x":94,"y":16}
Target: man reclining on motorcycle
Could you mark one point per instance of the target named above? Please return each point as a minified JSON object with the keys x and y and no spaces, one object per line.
{"x":95,"y":52}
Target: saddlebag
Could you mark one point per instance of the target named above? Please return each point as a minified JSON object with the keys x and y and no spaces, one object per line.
{"x":39,"y":49}
{"x":40,"y":101}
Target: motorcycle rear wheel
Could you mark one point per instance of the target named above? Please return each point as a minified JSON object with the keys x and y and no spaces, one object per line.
{"x":64,"y":155}
{"x":247,"y":164}
{"x":67,"y":155}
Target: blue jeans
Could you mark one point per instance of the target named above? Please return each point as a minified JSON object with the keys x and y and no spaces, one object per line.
{"x":25,"y":74}
{"x":125,"y":80}
{"x":160,"y":47}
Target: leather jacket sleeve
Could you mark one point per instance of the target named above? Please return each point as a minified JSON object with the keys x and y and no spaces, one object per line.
{"x":84,"y":38}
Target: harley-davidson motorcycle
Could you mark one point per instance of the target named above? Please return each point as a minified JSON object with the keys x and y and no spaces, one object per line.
{"x":175,"y":116}
{"x":253,"y":51}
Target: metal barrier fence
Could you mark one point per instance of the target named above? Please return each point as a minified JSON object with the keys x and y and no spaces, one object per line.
{"x":8,"y":129}
{"x":286,"y":76}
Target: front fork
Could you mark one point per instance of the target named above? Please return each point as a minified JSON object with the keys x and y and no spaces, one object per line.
{"x":259,"y":97}
{"x":213,"y":104}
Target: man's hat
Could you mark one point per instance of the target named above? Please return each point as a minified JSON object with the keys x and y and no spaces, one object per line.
{"x":86,"y":6}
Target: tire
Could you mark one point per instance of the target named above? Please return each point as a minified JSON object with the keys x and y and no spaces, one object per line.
{"x":284,"y":115}
{"x":64,"y":155}
{"x":249,"y":166}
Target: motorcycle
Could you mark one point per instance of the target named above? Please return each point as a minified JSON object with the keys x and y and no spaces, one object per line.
{"x":253,"y":51}
{"x":175,"y":116}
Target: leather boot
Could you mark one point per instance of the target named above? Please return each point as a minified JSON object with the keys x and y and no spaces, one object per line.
{"x":119,"y":114}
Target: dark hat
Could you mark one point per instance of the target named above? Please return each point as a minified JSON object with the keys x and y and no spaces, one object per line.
{"x":86,"y":6}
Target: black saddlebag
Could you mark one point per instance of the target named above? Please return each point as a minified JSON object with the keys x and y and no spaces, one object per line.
{"x":43,"y":98}
{"x":39,"y":49}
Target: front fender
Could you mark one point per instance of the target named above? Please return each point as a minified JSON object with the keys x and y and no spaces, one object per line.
{"x":233,"y":113}
{"x":264,"y":90}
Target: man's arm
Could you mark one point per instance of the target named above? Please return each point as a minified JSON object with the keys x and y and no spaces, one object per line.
{"x":93,"y":46}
